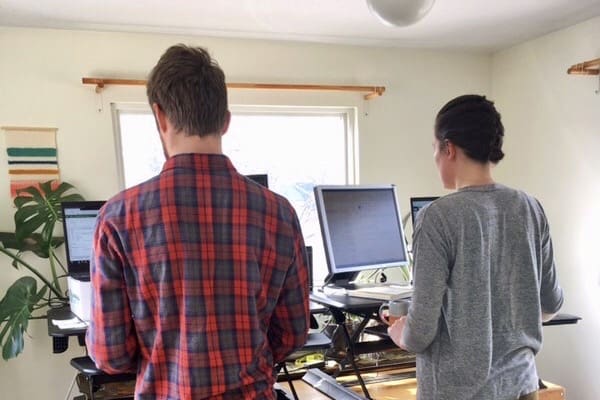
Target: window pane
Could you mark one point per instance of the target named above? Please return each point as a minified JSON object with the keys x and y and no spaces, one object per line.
{"x":140,"y":147}
{"x":297,"y":152}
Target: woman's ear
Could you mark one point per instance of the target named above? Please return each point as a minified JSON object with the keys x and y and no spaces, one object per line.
{"x":450,"y":150}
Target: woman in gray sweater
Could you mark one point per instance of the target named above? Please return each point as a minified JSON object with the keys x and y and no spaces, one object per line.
{"x":484,"y":273}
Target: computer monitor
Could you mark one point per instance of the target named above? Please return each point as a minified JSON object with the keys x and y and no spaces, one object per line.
{"x":262,"y":179}
{"x":416,"y":203}
{"x":361,"y":228}
{"x":79,"y":221}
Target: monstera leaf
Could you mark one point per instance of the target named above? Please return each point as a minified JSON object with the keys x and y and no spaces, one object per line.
{"x":39,"y":208}
{"x":34,"y":243}
{"x":9,"y":240}
{"x":38,"y":211}
{"x":15,"y":310}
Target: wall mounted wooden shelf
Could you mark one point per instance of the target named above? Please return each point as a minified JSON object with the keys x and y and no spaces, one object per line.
{"x":372,"y":91}
{"x":591,"y":67}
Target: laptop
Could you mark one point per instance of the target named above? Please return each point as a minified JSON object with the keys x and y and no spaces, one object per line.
{"x":79,"y":222}
{"x":417,"y":203}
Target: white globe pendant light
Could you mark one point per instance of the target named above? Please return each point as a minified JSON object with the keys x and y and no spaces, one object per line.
{"x":400,"y":12}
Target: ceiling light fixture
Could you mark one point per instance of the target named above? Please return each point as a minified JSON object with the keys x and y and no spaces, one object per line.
{"x":400,"y":12}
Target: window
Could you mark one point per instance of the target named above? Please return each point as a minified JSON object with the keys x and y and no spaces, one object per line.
{"x":297,"y":147}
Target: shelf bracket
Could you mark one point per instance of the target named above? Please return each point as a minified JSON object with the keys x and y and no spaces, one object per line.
{"x":591,"y":67}
{"x":588,"y":68}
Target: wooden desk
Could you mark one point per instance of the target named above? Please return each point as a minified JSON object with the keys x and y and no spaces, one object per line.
{"x":552,"y":392}
{"x":405,"y":389}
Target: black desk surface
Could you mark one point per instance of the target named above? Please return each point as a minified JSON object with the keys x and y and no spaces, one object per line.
{"x":345,"y":302}
{"x":562,"y":319}
{"x":62,"y":313}
{"x":359,"y":304}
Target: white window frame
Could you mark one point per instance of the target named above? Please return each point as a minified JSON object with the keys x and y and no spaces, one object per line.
{"x":349,"y":115}
{"x":116,"y":109}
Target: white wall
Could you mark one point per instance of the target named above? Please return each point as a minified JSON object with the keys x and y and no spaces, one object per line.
{"x":40,"y":85}
{"x":552,"y":123}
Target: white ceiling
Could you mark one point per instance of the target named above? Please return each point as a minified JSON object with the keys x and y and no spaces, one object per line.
{"x":480,"y":25}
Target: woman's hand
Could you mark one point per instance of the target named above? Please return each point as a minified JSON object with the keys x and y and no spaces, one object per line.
{"x":395,"y":332}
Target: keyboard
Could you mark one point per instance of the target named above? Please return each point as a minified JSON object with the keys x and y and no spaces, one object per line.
{"x":382,"y":292}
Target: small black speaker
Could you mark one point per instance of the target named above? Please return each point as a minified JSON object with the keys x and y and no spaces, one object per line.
{"x":314,"y":324}
{"x":60,"y":344}
{"x":309,"y":256}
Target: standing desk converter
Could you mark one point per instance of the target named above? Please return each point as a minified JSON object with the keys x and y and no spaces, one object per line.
{"x":90,"y":379}
{"x":365,"y":308}
{"x":338,"y":305}
{"x":93,"y":376}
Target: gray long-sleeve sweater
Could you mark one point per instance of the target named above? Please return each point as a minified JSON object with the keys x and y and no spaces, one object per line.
{"x":484,"y":272}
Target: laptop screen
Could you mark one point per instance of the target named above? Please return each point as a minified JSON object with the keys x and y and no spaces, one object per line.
{"x":79,"y":221}
{"x":416,"y":203}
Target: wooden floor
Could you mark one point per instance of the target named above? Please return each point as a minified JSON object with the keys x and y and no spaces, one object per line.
{"x":405,"y":389}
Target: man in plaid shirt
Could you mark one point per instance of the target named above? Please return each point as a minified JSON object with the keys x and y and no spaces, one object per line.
{"x":199,"y":275}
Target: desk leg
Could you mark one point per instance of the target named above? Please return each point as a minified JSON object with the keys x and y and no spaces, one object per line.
{"x":353,"y":361}
{"x":340,"y":319}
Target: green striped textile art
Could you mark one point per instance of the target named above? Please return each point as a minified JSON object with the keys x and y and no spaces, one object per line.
{"x":32,"y":157}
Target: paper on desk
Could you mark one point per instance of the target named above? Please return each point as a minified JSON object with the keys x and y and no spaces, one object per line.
{"x":73,"y":323}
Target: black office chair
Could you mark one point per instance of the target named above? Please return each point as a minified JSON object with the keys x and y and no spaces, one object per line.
{"x":93,"y":382}
{"x":316,"y":342}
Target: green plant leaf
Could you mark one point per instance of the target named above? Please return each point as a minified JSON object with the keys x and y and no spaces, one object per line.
{"x":28,"y":224}
{"x":25,"y":195}
{"x":8,"y":240}
{"x":60,"y":189}
{"x":39,"y":209}
{"x":15,"y":311}
{"x":70,"y":197}
{"x":37,"y":244}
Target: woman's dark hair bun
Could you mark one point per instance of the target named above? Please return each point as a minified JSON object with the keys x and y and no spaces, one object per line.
{"x":472,"y":123}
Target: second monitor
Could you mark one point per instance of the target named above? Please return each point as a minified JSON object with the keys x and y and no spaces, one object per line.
{"x":417,"y":203}
{"x":361,"y":229}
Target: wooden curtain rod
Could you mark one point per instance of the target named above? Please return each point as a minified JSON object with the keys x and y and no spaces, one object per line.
{"x":372,"y":91}
{"x":591,"y":67}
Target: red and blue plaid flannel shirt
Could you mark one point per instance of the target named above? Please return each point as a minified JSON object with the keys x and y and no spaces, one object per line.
{"x":199,"y":281}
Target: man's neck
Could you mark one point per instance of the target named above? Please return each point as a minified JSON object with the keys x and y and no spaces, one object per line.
{"x":195,"y":144}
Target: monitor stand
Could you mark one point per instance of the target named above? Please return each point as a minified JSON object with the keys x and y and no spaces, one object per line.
{"x":342,"y":280}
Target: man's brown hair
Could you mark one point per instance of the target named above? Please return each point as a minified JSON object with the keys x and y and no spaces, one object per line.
{"x":189,"y":86}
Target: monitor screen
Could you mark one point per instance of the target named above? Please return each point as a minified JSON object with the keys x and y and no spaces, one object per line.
{"x":361,"y":228}
{"x":262,"y":179}
{"x":79,"y":221}
{"x":416,"y":203}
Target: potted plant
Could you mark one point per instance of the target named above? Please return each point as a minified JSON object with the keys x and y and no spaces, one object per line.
{"x":38,"y":211}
